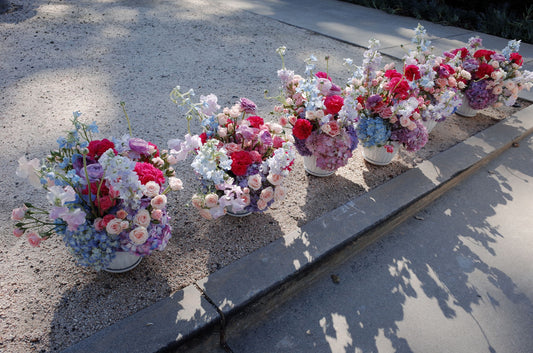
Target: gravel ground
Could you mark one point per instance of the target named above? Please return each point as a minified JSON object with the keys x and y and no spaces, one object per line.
{"x":57,"y":57}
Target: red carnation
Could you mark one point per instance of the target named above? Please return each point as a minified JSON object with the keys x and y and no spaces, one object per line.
{"x":392,"y":74}
{"x":203,"y":137}
{"x":240,"y":162}
{"x":483,"y":53}
{"x":399,"y":88}
{"x":464,"y":52}
{"x":483,"y":70}
{"x":302,"y":129}
{"x":255,"y":121}
{"x":321,"y":74}
{"x":98,"y":148}
{"x":147,"y":172}
{"x":517,"y":59}
{"x":412,"y":72}
{"x":333,"y":104}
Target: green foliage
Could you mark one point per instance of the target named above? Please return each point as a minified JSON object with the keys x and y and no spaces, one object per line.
{"x":512,"y":19}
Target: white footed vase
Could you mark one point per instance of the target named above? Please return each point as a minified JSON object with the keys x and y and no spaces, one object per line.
{"x":311,"y":167}
{"x":379,"y":155}
{"x":123,"y":262}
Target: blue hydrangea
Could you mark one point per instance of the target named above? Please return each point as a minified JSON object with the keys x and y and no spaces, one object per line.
{"x":373,"y":131}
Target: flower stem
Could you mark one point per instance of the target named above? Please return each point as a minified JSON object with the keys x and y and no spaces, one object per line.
{"x":123,"y":105}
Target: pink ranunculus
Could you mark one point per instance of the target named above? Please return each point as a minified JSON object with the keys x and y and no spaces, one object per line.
{"x":18,"y":213}
{"x":275,"y":179}
{"x":139,"y":235}
{"x":18,"y":232}
{"x":204,"y":212}
{"x":175,"y":183}
{"x":122,"y":214}
{"x":159,"y":202}
{"x":255,"y":181}
{"x":211,"y":200}
{"x":279,"y":193}
{"x":267,"y":194}
{"x":157,"y":214}
{"x":151,"y":189}
{"x":261,"y":204}
{"x":34,"y":239}
{"x":197,"y":201}
{"x":114,"y":226}
{"x":142,"y":218}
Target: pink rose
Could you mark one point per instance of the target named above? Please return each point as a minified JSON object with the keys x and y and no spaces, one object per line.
{"x":157,"y":215}
{"x":142,"y":218}
{"x":331,"y":128}
{"x":151,"y":189}
{"x":275,"y":179}
{"x":124,"y":225}
{"x":279,"y":193}
{"x":18,"y":232}
{"x":99,"y":224}
{"x":114,"y":226}
{"x":122,"y":214}
{"x":277,"y":142}
{"x":175,"y":184}
{"x":204,"y":212}
{"x":261,"y":204}
{"x":246,"y":199}
{"x":197,"y":201}
{"x":292,"y":119}
{"x":159,"y":202}
{"x":34,"y":239}
{"x":211,"y":200}
{"x":267,"y":194}
{"x":18,"y":213}
{"x":139,"y":235}
{"x":255,"y":181}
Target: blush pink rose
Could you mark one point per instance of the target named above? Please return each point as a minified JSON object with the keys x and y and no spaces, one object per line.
{"x":246,"y":199}
{"x":204,"y":212}
{"x":275,"y":179}
{"x":142,"y":218}
{"x":197,"y":201}
{"x":34,"y":239}
{"x":211,"y":200}
{"x":157,"y":215}
{"x":331,"y":128}
{"x":279,"y":193}
{"x":159,"y":202}
{"x":151,"y":189}
{"x":99,"y":224}
{"x":292,"y":119}
{"x":18,"y":232}
{"x":175,"y":183}
{"x":261,"y":204}
{"x":114,"y":226}
{"x":267,"y":194}
{"x":255,"y":181}
{"x":139,"y":235}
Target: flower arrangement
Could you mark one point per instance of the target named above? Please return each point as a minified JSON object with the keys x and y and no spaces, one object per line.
{"x":106,"y":196}
{"x":489,"y":78}
{"x":436,"y":80}
{"x":240,"y":159}
{"x":387,"y":103}
{"x":314,"y":107}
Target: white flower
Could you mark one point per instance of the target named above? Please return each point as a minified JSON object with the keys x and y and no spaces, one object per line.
{"x":28,"y":169}
{"x":151,"y":189}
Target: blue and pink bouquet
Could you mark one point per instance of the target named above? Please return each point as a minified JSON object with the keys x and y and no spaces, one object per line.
{"x":314,"y":107}
{"x":240,"y":159}
{"x":106,"y":196}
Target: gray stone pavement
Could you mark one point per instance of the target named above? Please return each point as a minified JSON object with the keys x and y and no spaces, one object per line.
{"x":405,"y":291}
{"x":457,"y":277}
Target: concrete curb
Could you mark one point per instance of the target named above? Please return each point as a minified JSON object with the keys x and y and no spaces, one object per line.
{"x":247,"y":289}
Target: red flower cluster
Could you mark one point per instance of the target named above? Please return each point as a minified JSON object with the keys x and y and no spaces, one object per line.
{"x":302,"y":129}
{"x":98,"y":147}
{"x":483,"y":70}
{"x":333,"y":104}
{"x":104,"y":198}
{"x":256,"y":121}
{"x":517,"y":59}
{"x":484,"y":53}
{"x":147,"y":172}
{"x":412,"y":72}
{"x":240,"y":162}
{"x":464,"y":52}
{"x":397,"y":86}
{"x":321,"y":74}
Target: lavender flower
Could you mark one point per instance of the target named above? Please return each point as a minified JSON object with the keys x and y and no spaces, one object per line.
{"x":479,"y":96}
{"x":247,"y":106}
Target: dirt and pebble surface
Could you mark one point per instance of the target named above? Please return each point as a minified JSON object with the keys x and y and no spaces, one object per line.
{"x":57,"y":57}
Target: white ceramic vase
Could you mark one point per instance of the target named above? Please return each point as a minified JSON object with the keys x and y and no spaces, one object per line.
{"x":465,"y":109}
{"x":429,"y":124}
{"x":311,"y":167}
{"x":123,"y":262}
{"x":241,"y":213}
{"x":379,"y":155}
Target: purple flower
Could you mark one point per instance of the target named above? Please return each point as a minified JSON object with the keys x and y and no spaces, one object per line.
{"x":265,"y":137}
{"x":413,"y":140}
{"x":479,"y":97}
{"x":95,"y":171}
{"x":372,"y":101}
{"x":246,"y":132}
{"x":139,"y":145}
{"x":248,"y":106}
{"x":470,"y":65}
